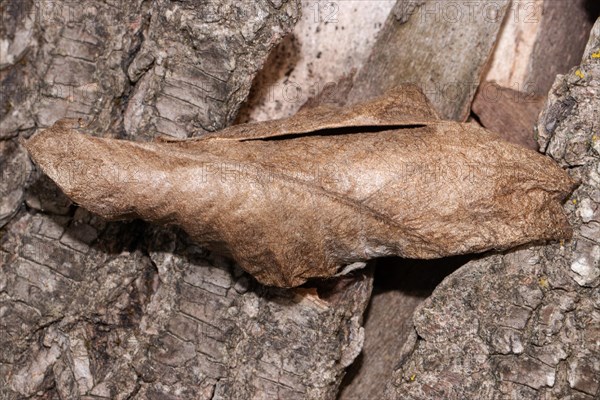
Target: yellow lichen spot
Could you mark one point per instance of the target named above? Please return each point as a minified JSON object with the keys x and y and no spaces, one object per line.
{"x":595,"y":138}
{"x":543,"y":282}
{"x":596,"y":54}
{"x":579,"y":74}
{"x":413,"y":377}
{"x":574,"y":201}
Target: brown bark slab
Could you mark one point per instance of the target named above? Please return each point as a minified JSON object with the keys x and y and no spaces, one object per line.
{"x":510,"y":113}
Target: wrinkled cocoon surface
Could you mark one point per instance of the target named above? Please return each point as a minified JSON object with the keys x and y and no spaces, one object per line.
{"x":300,"y":198}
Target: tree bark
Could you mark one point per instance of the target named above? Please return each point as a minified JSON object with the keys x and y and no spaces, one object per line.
{"x":538,"y":40}
{"x":419,"y":42}
{"x":92,"y":309}
{"x":510,"y":113}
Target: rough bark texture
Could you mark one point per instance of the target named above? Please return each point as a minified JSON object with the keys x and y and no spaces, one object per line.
{"x":91,"y":309}
{"x":400,"y":285}
{"x":524,"y":324}
{"x":419,"y":42}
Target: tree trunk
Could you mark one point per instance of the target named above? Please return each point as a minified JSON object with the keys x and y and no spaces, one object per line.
{"x":91,"y":309}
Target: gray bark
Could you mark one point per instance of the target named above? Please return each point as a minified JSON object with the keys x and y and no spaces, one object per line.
{"x":91,"y":309}
{"x":441,"y":46}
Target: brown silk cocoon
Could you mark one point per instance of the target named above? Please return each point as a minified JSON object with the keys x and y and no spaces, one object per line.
{"x":303,"y":197}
